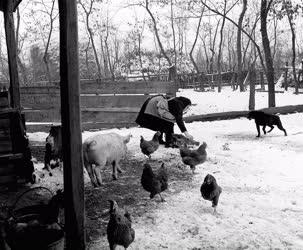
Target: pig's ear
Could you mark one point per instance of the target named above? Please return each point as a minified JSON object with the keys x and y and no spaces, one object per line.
{"x":127,"y":138}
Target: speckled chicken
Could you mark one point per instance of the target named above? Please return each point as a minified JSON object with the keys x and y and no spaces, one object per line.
{"x":119,"y":230}
{"x":210,"y":190}
{"x":154,"y":183}
{"x":149,"y":147}
{"x":193,"y":157}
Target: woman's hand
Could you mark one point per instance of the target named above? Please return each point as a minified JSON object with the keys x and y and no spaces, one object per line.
{"x":188,"y":135}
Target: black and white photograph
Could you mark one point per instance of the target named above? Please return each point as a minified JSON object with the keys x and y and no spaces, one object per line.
{"x":151,"y":124}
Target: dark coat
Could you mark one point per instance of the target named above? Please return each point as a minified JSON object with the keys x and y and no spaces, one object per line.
{"x":154,"y":122}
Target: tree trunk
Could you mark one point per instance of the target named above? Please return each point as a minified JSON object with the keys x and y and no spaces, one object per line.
{"x":212,"y":43}
{"x":173,"y":30}
{"x":45,"y":55}
{"x":206,"y":56}
{"x":285,"y":83}
{"x":192,"y":49}
{"x":86,"y":60}
{"x":157,"y":34}
{"x":140,"y":56}
{"x":87,"y":13}
{"x":239,"y":47}
{"x":20,"y":64}
{"x":105,"y":63}
{"x":220,"y":50}
{"x":95,"y":50}
{"x":252,"y":84}
{"x":108,"y":58}
{"x":267,"y":53}
{"x":293,"y":43}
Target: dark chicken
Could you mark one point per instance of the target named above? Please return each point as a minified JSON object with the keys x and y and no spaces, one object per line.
{"x":210,"y":190}
{"x":51,"y":214}
{"x":154,"y":183}
{"x":119,"y":230}
{"x":193,"y":157}
{"x":149,"y":147}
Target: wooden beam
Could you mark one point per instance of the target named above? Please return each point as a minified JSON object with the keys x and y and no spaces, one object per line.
{"x":14,"y":4}
{"x":12,"y":54}
{"x":289,"y":109}
{"x":71,"y":126}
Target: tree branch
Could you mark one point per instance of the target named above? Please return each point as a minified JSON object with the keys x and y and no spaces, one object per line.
{"x":234,"y":23}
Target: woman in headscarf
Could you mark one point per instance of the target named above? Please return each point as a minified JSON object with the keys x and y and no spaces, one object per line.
{"x":159,"y":114}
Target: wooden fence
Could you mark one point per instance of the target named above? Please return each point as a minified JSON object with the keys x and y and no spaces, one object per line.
{"x":200,"y":81}
{"x":103,"y":105}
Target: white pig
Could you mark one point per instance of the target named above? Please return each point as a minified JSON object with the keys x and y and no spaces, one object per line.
{"x":104,"y":149}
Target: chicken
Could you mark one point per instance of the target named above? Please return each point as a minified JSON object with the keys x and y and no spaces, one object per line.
{"x":149,"y":147}
{"x":193,"y":157}
{"x":119,"y":230}
{"x":52,"y":210}
{"x":180,"y":141}
{"x":155,"y":184}
{"x":210,"y":190}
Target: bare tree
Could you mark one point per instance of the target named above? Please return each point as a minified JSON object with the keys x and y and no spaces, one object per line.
{"x":231,"y":50}
{"x":290,"y":12}
{"x":192,"y":49}
{"x":257,"y":18}
{"x":88,"y":12}
{"x":87,"y":58}
{"x":48,"y":9}
{"x":265,"y":7}
{"x":212,"y":44}
{"x":243,"y":31}
{"x":20,"y":42}
{"x":140,"y":35}
{"x":239,"y":47}
{"x":220,"y":47}
{"x":206,"y":53}
{"x":173,"y":30}
{"x":195,"y":41}
{"x":155,"y":28}
{"x":107,"y":48}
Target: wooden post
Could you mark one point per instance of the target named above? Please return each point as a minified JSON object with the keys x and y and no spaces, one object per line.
{"x":285,"y":76}
{"x":252,"y":83}
{"x":12,"y":54}
{"x":262,"y":80}
{"x":201,"y":78}
{"x":71,"y":126}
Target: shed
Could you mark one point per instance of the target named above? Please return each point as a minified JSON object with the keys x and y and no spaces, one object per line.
{"x":15,"y":155}
{"x":70,"y":112}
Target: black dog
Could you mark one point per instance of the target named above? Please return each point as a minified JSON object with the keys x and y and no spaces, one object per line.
{"x":264,"y":119}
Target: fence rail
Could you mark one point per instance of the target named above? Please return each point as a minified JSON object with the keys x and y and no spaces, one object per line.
{"x":110,"y":104}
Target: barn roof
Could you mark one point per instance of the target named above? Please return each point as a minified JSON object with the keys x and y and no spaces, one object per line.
{"x":14,"y":3}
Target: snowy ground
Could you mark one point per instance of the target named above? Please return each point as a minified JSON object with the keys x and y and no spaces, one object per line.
{"x":229,"y":100}
{"x":261,"y":205}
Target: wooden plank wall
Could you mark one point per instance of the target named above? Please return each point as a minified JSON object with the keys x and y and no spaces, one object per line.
{"x":107,"y":105}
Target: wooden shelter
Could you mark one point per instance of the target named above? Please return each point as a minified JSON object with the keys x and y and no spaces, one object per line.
{"x":70,"y":111}
{"x":15,"y":155}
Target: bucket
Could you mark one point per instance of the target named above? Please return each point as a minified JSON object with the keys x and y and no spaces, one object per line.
{"x":35,"y":238}
{"x":23,"y":231}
